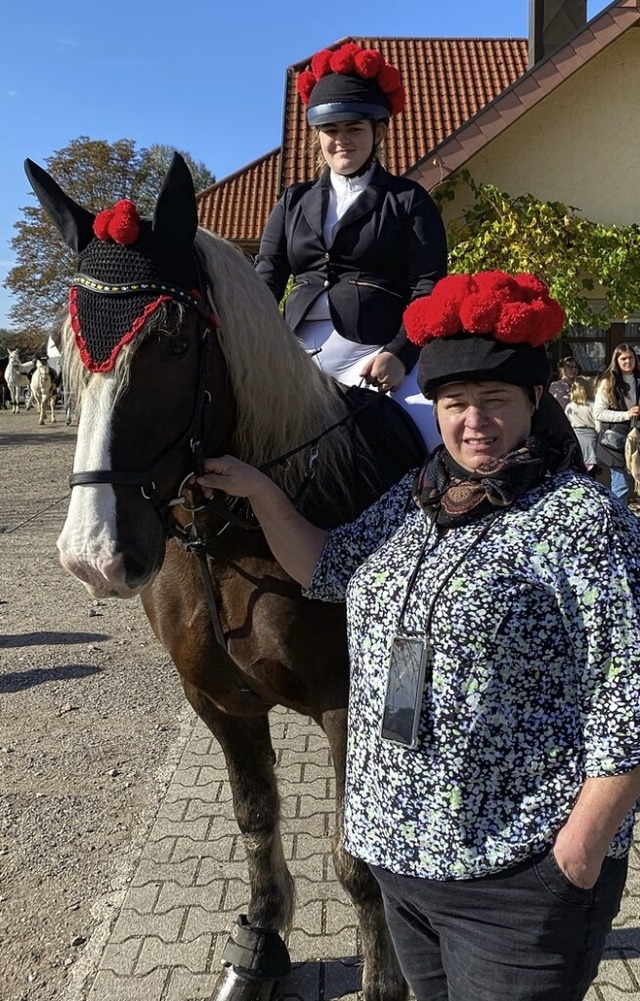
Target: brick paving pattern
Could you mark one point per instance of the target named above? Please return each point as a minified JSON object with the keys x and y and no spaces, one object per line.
{"x":191,"y":883}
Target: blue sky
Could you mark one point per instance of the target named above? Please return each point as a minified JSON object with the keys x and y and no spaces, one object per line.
{"x":206,"y":77}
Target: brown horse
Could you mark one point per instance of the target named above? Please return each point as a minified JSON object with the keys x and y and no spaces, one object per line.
{"x":175,"y":349}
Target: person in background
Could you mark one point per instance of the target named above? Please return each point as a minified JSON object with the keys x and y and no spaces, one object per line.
{"x":568,"y":369}
{"x":615,"y":406}
{"x":501,"y":588}
{"x":360,"y":242}
{"x":579,"y":412}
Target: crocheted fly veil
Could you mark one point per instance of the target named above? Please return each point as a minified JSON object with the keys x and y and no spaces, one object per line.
{"x":127,"y":267}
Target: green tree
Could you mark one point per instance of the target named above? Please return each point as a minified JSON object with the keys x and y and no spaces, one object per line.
{"x":96,"y":174}
{"x":580,"y":260}
{"x":154,"y":164}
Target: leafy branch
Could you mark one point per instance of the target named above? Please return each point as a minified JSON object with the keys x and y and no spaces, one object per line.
{"x":580,"y":260}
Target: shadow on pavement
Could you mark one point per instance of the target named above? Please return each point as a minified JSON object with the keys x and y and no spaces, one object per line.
{"x":44,"y":638}
{"x":19,"y":681}
{"x":626,"y":940}
{"x":322,"y":979}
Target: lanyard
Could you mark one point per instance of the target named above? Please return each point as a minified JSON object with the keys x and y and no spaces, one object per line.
{"x":484,"y":531}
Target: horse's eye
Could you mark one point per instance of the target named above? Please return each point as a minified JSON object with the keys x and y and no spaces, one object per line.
{"x":177,"y":346}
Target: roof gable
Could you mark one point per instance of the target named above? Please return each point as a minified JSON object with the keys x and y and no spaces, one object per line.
{"x":455,"y":150}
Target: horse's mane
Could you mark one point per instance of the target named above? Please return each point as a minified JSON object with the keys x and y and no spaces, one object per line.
{"x":282,"y":397}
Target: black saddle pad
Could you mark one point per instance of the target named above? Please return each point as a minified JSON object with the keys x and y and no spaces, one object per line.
{"x":387,"y":443}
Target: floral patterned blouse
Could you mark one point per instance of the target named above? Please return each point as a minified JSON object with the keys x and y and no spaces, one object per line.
{"x":535,"y":680}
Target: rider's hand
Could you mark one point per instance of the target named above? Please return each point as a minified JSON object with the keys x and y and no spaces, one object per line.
{"x":385,"y":371}
{"x":234,"y":477}
{"x":633,"y":411}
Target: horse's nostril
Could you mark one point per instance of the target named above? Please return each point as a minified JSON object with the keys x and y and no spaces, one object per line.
{"x":138,"y":568}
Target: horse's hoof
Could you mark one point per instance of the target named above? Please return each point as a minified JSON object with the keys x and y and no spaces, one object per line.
{"x":232,"y":986}
{"x":255,"y":960}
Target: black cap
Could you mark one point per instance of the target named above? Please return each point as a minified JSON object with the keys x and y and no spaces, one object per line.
{"x":466,"y":357}
{"x":343,"y":97}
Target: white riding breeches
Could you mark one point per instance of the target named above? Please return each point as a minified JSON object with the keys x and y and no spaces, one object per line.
{"x":344,"y":360}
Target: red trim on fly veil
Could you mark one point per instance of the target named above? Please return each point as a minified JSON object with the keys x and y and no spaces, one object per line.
{"x":83,"y":349}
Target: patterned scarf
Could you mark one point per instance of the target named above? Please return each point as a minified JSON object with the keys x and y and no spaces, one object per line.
{"x":451,"y":495}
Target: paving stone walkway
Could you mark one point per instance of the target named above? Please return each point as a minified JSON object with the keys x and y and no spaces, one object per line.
{"x":190,"y":884}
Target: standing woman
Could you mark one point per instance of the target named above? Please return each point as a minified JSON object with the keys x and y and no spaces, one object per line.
{"x":567,"y":372}
{"x":579,"y":412}
{"x":493,"y":605}
{"x":615,"y":406}
{"x":360,"y":242}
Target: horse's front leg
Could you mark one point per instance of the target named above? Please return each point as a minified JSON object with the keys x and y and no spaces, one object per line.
{"x":41,"y":412}
{"x":382,"y":979}
{"x":52,"y":405}
{"x":246,"y":745}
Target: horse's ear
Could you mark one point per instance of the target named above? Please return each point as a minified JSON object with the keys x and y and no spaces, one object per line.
{"x":175,"y":220}
{"x":74,"y":223}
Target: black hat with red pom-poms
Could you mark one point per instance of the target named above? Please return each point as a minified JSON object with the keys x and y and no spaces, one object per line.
{"x":488,"y":326}
{"x":348,"y":84}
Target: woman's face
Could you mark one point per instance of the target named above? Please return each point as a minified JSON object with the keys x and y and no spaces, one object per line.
{"x":627,"y":362}
{"x":346,"y":146}
{"x":483,"y":420}
{"x":570,"y":371}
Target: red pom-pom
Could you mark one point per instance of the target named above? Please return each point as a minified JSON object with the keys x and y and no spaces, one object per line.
{"x":124,"y":227}
{"x":368,"y":63}
{"x":517,"y":323}
{"x":343,"y":59}
{"x":101,"y":224}
{"x":498,"y":281}
{"x":321,"y":63}
{"x":479,"y":313}
{"x":454,"y":287}
{"x":533,"y":287}
{"x":554,"y":318}
{"x":426,"y":318}
{"x":490,"y":302}
{"x":397,"y":100}
{"x":304,"y":85}
{"x":389,"y":78}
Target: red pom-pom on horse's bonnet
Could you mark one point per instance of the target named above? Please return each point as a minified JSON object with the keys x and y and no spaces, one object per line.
{"x":120,"y":224}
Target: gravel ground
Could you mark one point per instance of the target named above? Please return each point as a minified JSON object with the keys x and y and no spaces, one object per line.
{"x":92,"y":717}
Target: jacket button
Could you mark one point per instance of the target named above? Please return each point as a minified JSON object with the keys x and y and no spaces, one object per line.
{"x":327,"y":256}
{"x":327,"y":284}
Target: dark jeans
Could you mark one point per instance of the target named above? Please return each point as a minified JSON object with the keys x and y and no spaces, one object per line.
{"x":525,"y":934}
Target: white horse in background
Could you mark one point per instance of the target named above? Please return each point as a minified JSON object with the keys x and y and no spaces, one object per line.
{"x":15,"y":377}
{"x":43,"y":390}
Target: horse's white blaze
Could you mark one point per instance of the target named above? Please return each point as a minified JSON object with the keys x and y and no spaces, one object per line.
{"x":88,"y":543}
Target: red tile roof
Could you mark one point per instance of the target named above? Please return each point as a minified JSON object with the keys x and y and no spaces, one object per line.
{"x":448,"y":80}
{"x":237,"y":207}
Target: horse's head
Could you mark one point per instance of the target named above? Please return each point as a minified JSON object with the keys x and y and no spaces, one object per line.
{"x":136,"y":358}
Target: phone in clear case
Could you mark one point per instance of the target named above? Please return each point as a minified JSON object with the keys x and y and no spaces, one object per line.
{"x":405,"y":687}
